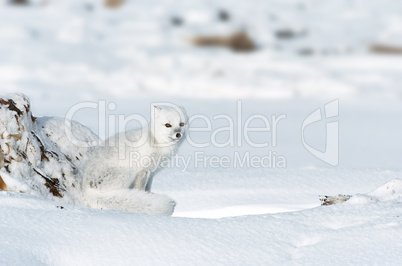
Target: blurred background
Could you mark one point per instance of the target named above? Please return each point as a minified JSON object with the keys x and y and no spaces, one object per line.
{"x":276,"y":56}
{"x":230,"y":49}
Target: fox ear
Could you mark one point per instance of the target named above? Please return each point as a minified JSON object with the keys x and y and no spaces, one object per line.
{"x":157,"y":108}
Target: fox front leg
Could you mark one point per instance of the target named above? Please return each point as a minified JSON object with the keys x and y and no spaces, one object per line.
{"x":141,"y":179}
{"x":149,"y":183}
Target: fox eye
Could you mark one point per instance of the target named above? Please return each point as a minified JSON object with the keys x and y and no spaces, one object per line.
{"x":182,"y":124}
{"x":168,"y":125}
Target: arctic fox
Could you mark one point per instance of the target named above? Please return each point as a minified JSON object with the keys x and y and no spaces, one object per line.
{"x":120,"y":174}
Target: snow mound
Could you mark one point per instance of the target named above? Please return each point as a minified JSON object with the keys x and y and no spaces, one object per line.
{"x":389,"y":191}
{"x":392,"y":190}
{"x":37,"y":155}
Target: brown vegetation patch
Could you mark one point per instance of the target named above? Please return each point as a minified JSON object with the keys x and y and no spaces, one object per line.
{"x":330,"y":200}
{"x":238,"y":41}
{"x":386,"y":49}
{"x":113,"y":3}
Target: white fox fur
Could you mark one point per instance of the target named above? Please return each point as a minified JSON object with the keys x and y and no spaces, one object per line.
{"x":120,"y":174}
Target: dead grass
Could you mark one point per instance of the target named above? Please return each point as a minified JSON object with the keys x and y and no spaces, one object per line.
{"x":113,"y":3}
{"x":386,"y":49}
{"x":330,"y":200}
{"x":238,"y":41}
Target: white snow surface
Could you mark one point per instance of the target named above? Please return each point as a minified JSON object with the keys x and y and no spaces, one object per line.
{"x":38,"y":232}
{"x":70,"y":53}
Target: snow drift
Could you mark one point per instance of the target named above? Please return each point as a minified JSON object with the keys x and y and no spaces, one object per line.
{"x":36,"y":155}
{"x":40,"y":232}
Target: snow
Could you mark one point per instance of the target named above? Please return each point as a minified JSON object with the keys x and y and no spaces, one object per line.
{"x":113,"y":63}
{"x":40,"y":232}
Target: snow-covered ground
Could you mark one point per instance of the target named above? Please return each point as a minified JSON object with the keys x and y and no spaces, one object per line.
{"x":35,"y":232}
{"x":71,"y":54}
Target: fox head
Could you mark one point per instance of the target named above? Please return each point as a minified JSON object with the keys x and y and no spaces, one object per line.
{"x":168,"y":124}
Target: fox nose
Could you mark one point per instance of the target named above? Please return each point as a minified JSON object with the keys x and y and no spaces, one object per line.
{"x":178,"y":135}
